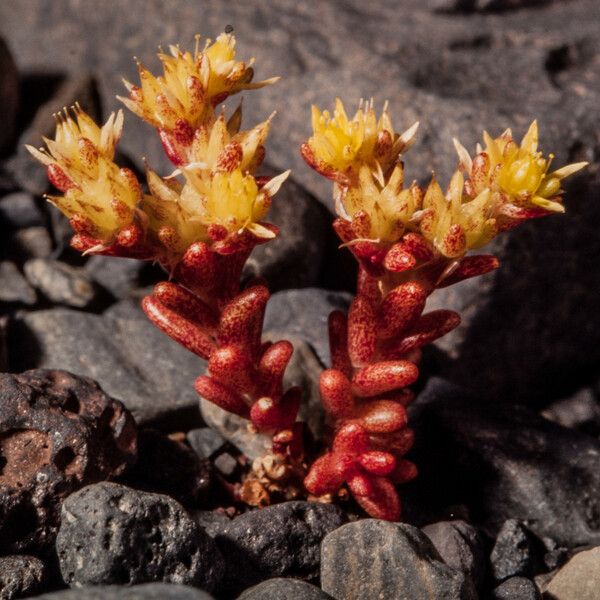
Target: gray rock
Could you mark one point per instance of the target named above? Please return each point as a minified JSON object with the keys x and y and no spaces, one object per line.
{"x":19,"y":209}
{"x":9,"y":96}
{"x":378,"y":560}
{"x":120,"y":276}
{"x":517,"y":588}
{"x":284,"y":589}
{"x":510,"y":462}
{"x":578,"y":579}
{"x":145,"y":591}
{"x":111,"y":534}
{"x":30,"y":242}
{"x":20,"y":576}
{"x":204,"y":441}
{"x":580,"y":411}
{"x":212,"y":521}
{"x":61,"y":283}
{"x":226,"y":464}
{"x":294,"y":258}
{"x":14,"y":287}
{"x":515,"y":552}
{"x":132,"y":360}
{"x":278,"y":541}
{"x":461,"y":546}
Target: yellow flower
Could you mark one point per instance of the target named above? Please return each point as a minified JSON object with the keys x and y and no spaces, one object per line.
{"x":520,"y":173}
{"x":340,"y":145}
{"x":388,"y":207}
{"x":99,"y":197}
{"x":191,"y":85}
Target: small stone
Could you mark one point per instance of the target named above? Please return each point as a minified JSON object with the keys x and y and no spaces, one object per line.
{"x":517,"y":588}
{"x":212,"y":521}
{"x":277,"y":541}
{"x":14,"y":288}
{"x":122,"y":277}
{"x":461,"y":546}
{"x":30,"y":242}
{"x":581,"y":411}
{"x":111,"y":534}
{"x":284,"y":589}
{"x":378,"y":560}
{"x":61,"y":283}
{"x":20,"y":576}
{"x":9,"y":96}
{"x":579,"y":579}
{"x":515,"y":551}
{"x":226,"y":464}
{"x":19,"y":210}
{"x":58,"y":433}
{"x":205,"y":441}
{"x":145,"y":591}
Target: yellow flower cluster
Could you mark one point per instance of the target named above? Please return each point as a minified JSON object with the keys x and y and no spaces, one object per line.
{"x":504,"y":181}
{"x":99,"y":196}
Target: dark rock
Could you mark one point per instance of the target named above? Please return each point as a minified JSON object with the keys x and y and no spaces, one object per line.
{"x":30,"y":242}
{"x":581,"y":411}
{"x":25,"y":170}
{"x":556,"y":557}
{"x":9,"y":96}
{"x":212,"y":521}
{"x":145,"y":591}
{"x":130,"y":358}
{"x":111,"y":534}
{"x":304,"y":314}
{"x":578,"y":579}
{"x":205,"y":441}
{"x":284,"y":589}
{"x":14,"y":288}
{"x":504,"y":461}
{"x":226,"y":464}
{"x":20,"y":576}
{"x":58,"y":433}
{"x":461,"y":546}
{"x":170,"y":467}
{"x":18,"y":210}
{"x":372,"y":559}
{"x":61,"y":283}
{"x":277,"y":541}
{"x":516,"y":552}
{"x":517,"y":588}
{"x":294,"y":258}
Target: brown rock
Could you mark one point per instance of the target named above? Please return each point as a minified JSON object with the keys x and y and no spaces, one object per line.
{"x":579,"y":579}
{"x":58,"y":433}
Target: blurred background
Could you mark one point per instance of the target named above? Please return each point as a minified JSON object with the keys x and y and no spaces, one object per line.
{"x":531,"y":331}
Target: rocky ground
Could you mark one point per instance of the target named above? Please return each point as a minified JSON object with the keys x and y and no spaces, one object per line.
{"x":109,"y":475}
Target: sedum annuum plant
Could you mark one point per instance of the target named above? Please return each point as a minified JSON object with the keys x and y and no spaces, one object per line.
{"x":203,"y":220}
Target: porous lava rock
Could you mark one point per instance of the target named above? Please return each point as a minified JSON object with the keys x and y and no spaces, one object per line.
{"x":58,"y":433}
{"x":20,"y":576}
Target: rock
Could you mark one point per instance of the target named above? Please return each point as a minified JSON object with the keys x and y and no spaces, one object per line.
{"x":304,"y":314}
{"x":372,"y":559}
{"x":278,"y":541}
{"x":205,"y":441}
{"x":226,"y":465}
{"x":111,"y":534}
{"x":284,"y":589}
{"x":9,"y":96}
{"x":61,"y":283}
{"x":517,"y":588}
{"x":123,"y":351}
{"x":122,"y":277}
{"x":14,"y":288}
{"x":294,"y":258}
{"x":30,"y":242}
{"x":516,"y":552}
{"x":303,"y":370}
{"x":170,"y":467}
{"x":58,"y":433}
{"x":145,"y":591}
{"x":468,"y":452}
{"x":581,"y":411}
{"x":25,"y":170}
{"x":20,"y":576}
{"x":578,"y":579}
{"x":212,"y":521}
{"x":461,"y":546}
{"x":18,"y":210}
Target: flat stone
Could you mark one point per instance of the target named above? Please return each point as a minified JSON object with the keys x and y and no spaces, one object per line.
{"x":278,"y":541}
{"x":14,"y":288}
{"x":61,"y":283}
{"x":111,"y":534}
{"x":20,"y":576}
{"x":122,"y":350}
{"x":145,"y":591}
{"x":58,"y":433}
{"x":379,"y":560}
{"x":578,"y":579}
{"x":284,"y":589}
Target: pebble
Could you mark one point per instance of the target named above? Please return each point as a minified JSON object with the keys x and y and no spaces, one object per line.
{"x":284,"y":589}
{"x":517,"y":588}
{"x":20,"y":576}
{"x":14,"y":288}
